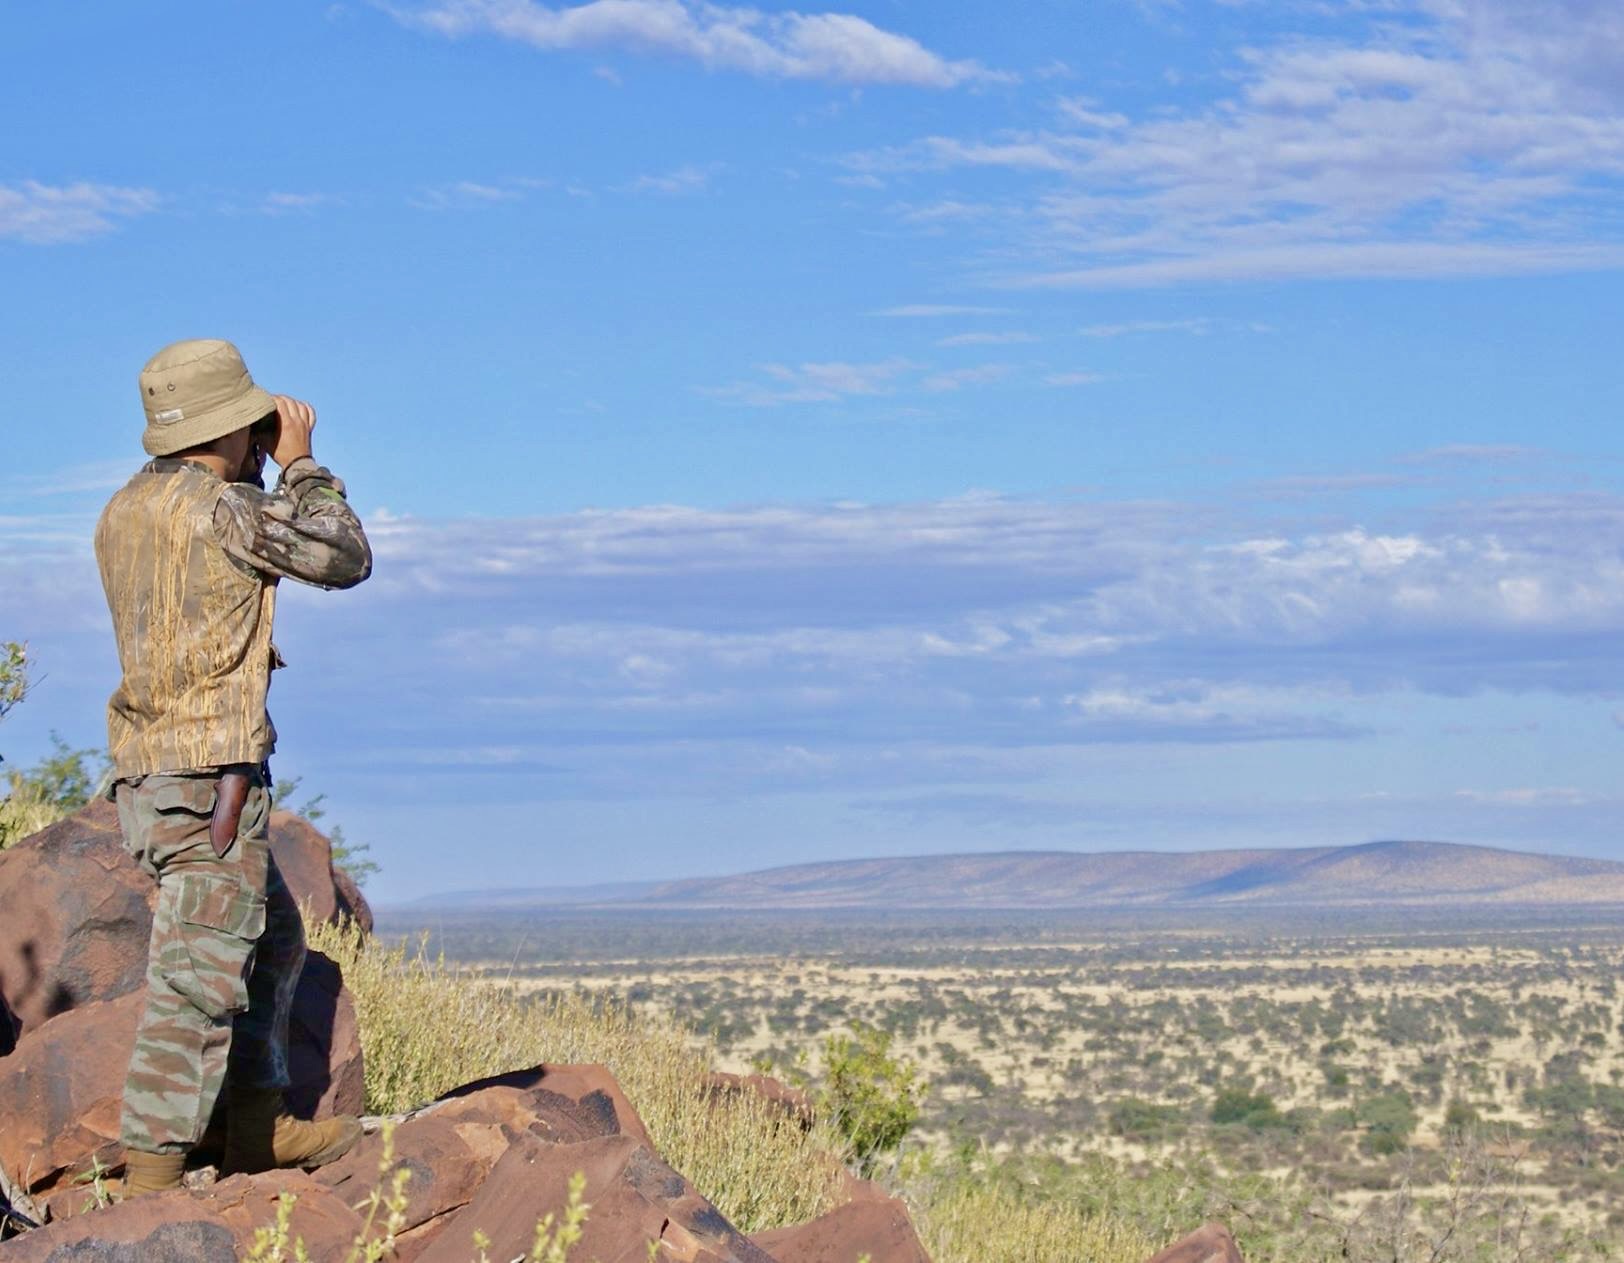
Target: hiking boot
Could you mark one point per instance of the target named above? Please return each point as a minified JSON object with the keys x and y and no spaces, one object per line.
{"x":262,"y":1135}
{"x":151,"y":1172}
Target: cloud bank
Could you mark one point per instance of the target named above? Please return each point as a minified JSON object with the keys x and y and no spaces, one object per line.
{"x":834,"y":47}
{"x":1424,"y":138}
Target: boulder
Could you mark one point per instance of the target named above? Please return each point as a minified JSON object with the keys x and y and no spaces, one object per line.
{"x":76,"y":911}
{"x":557,"y":1103}
{"x":213,"y":1225}
{"x":449,"y":1147}
{"x":794,"y":1103}
{"x":75,"y":915}
{"x":1209,"y":1244}
{"x":61,"y":1089}
{"x":321,"y":1218}
{"x":324,"y":1044}
{"x":305,"y":858}
{"x":158,"y":1228}
{"x":877,"y":1227}
{"x":635,"y":1198}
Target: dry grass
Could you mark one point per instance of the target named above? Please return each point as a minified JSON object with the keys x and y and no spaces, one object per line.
{"x":964,"y":1222}
{"x":426,"y":1028}
{"x":25,"y":810}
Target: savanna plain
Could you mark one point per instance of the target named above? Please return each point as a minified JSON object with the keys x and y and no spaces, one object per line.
{"x":1367,"y":1086}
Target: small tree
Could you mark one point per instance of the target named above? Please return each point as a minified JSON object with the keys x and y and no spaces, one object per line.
{"x":871,"y":1096}
{"x":13,"y":674}
{"x":1390,"y":1118}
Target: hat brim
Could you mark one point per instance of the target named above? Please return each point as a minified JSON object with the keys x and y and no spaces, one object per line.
{"x":205,"y":427}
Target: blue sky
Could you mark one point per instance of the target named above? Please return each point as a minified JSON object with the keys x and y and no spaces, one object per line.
{"x":792,"y":434}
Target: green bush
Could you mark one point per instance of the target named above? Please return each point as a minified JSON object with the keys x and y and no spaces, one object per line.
{"x":1389,"y":1119}
{"x":1142,"y":1120}
{"x":56,"y":786}
{"x":871,"y":1097}
{"x":1256,"y":1110}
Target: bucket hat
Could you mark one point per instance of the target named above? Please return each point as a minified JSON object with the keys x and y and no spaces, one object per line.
{"x":196,"y":391}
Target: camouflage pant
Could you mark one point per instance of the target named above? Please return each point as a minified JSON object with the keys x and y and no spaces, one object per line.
{"x":226,"y":950}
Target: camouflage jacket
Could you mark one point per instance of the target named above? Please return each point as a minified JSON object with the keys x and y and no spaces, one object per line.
{"x":303,"y":530}
{"x":190,"y":566}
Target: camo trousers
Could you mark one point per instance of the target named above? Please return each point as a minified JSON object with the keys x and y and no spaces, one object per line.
{"x":226,"y":950}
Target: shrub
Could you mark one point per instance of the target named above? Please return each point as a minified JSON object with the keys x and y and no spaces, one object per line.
{"x":56,"y":786}
{"x":1142,"y":1120}
{"x":1389,"y":1118}
{"x":871,"y":1097}
{"x":1256,"y":1110}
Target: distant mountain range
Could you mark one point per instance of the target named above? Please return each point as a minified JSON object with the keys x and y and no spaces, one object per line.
{"x":1431,"y":874}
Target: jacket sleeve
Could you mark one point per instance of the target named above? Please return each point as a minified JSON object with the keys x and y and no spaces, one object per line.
{"x":303,"y":530}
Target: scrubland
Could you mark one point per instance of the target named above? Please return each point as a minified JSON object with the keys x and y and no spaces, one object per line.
{"x":1396,"y":1094}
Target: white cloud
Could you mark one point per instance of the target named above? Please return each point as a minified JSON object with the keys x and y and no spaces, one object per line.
{"x":686,"y":179}
{"x":986,"y":339}
{"x":826,"y":382}
{"x":1199,"y":326}
{"x":1462,"y":138}
{"x":51,"y":214}
{"x":470,"y":194}
{"x":926,"y":311}
{"x":279,"y":203}
{"x":837,"y":47}
{"x":959,"y":378}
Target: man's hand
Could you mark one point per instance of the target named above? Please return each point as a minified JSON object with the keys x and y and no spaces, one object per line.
{"x":295,"y":419}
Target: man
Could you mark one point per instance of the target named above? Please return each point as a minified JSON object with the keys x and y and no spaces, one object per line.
{"x":191,"y":551}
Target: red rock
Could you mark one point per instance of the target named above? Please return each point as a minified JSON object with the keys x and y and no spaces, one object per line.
{"x":75,"y":915}
{"x":61,"y":1090}
{"x":878,"y":1227}
{"x":212,"y":1225}
{"x":794,"y":1103}
{"x":321,"y":1218}
{"x":305,"y":857}
{"x":158,"y":1228}
{"x":324,"y":1044}
{"x":635,"y":1198}
{"x":450,"y":1146}
{"x":557,"y":1103}
{"x":1209,"y":1244}
{"x":351,"y":902}
{"x":76,"y":910}
{"x":444,"y":1168}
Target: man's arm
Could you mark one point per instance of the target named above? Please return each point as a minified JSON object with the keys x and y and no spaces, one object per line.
{"x":303,"y":530}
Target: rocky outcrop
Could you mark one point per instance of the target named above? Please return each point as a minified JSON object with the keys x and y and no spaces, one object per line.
{"x":871,"y":1224}
{"x":213,"y":1225}
{"x":76,"y":911}
{"x":451,"y":1146}
{"x":791,"y":1102}
{"x":495,"y":1155}
{"x":305,"y":857}
{"x":1209,"y":1244}
{"x":75,"y":916}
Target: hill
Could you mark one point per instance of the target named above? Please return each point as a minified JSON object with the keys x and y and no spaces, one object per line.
{"x":1432,"y":874}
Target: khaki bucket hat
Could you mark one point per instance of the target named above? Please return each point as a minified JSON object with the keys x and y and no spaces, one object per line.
{"x":196,"y":391}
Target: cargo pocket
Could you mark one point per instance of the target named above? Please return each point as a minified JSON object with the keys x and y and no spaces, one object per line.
{"x":216,"y":923}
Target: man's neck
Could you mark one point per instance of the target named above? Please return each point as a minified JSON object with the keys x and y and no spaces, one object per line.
{"x":216,"y":465}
